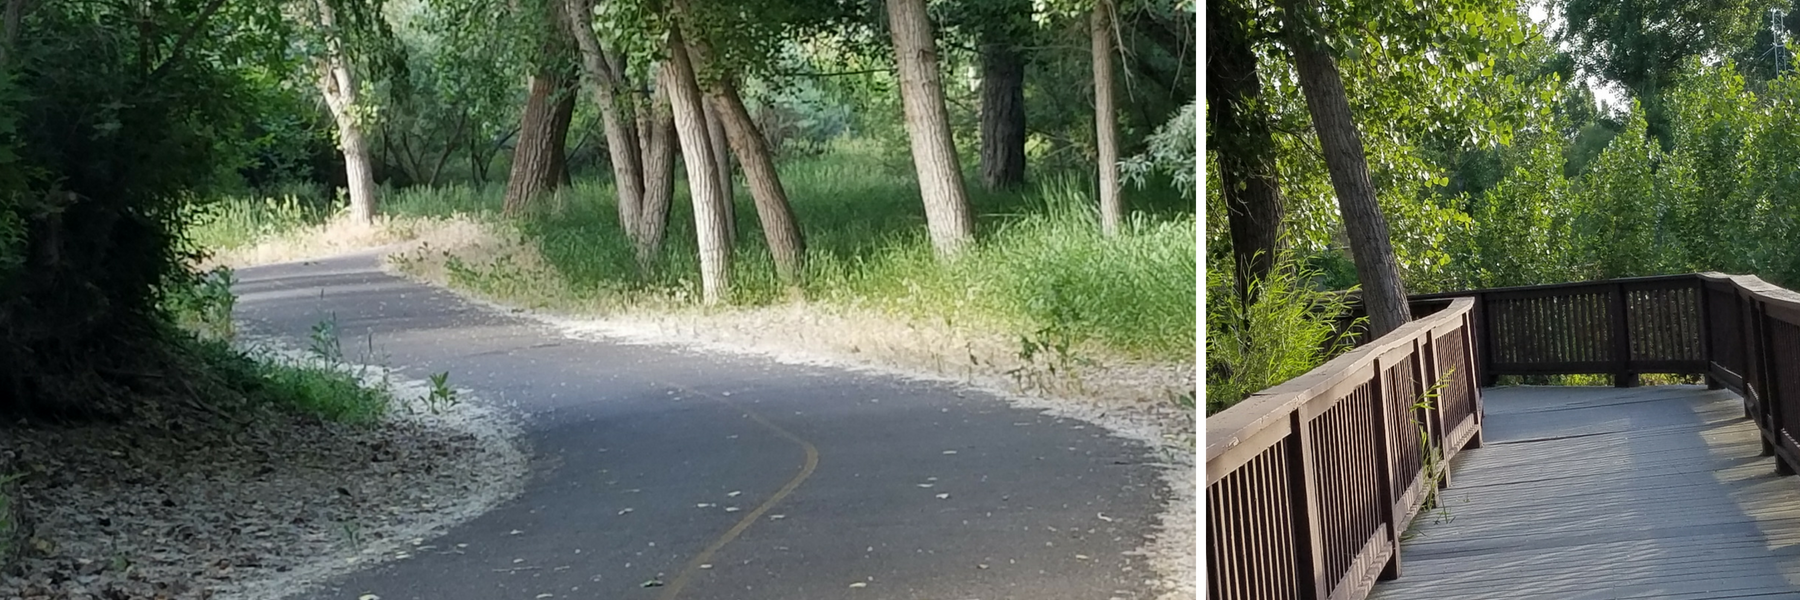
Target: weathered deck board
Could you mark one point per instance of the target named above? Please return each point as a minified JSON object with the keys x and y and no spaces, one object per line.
{"x":1579,"y":493}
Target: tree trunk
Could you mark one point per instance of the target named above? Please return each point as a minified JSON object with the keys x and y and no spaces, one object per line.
{"x":780,"y":230}
{"x":721,"y":153}
{"x":338,"y":84}
{"x":1002,"y":116}
{"x":1106,"y":137}
{"x":947,"y":214}
{"x":13,"y":15}
{"x":658,"y":135}
{"x":1383,"y":295}
{"x":617,"y":115}
{"x":561,"y":120}
{"x":538,"y":161}
{"x":1244,"y":144}
{"x":736,"y":126}
{"x":703,"y":182}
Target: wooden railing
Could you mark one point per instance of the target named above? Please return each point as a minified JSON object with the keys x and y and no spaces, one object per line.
{"x":1619,"y":327}
{"x":1310,"y":483}
{"x":1752,"y":334}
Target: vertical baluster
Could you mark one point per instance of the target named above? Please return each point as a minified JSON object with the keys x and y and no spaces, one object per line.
{"x":1384,"y":463}
{"x":1469,"y":381}
{"x":1303,"y":486}
{"x":1622,"y":376}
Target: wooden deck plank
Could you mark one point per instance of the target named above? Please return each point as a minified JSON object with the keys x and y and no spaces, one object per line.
{"x":1589,"y":493}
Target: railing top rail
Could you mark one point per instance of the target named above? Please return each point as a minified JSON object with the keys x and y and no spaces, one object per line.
{"x":1755,"y":285}
{"x":1230,"y":427}
{"x":1552,"y":286}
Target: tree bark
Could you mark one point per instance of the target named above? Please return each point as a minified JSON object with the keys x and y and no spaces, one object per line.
{"x":617,"y":115}
{"x":1002,"y":116}
{"x":1244,"y":144}
{"x":538,"y":160}
{"x":13,"y":14}
{"x":1106,"y":136}
{"x":703,"y":182}
{"x":735,"y":125}
{"x":1383,"y":294}
{"x":338,"y":84}
{"x":721,"y":153}
{"x":947,"y":214}
{"x":658,"y":135}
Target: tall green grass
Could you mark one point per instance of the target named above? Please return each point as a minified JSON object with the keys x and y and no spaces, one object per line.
{"x":1040,"y":270}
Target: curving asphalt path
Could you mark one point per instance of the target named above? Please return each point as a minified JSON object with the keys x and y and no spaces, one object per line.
{"x":829,"y":467}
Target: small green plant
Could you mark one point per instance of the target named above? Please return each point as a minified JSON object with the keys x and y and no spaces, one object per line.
{"x":1433,"y":470}
{"x":442,"y":397}
{"x":203,"y":303}
{"x":352,"y":534}
{"x":324,"y":340}
{"x":1048,"y":353}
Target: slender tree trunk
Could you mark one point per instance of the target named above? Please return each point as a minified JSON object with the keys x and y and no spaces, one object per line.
{"x":659,"y":175}
{"x":450,"y":146}
{"x":338,"y":84}
{"x":738,"y":128}
{"x":1383,"y":295}
{"x":947,"y":212}
{"x":13,"y":14}
{"x":1002,"y":116}
{"x":538,"y":161}
{"x":721,"y":153}
{"x":703,"y":182}
{"x":1244,"y":144}
{"x":1106,"y":137}
{"x":617,"y":115}
{"x":780,"y":230}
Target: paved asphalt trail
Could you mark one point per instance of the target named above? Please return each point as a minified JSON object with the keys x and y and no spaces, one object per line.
{"x":628,"y":440}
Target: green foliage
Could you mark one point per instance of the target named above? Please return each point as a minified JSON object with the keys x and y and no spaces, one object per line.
{"x":1170,"y":152}
{"x":1290,"y":329}
{"x":204,"y":304}
{"x":106,"y":131}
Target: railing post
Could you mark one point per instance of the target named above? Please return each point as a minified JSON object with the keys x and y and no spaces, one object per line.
{"x":1481,"y":337}
{"x":1706,"y":329}
{"x":1621,"y":329}
{"x":1425,"y":373}
{"x":1469,"y":361}
{"x":1384,"y":467}
{"x":1771,"y":392}
{"x":1303,"y":490}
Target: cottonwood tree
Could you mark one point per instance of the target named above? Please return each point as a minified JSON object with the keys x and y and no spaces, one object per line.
{"x":540,"y":162}
{"x":1383,"y":294}
{"x":1003,"y":33}
{"x":717,"y":80}
{"x":1106,"y":118}
{"x":947,"y":214}
{"x":710,"y":227}
{"x":337,"y":22}
{"x":1240,"y":134}
{"x":635,"y":114}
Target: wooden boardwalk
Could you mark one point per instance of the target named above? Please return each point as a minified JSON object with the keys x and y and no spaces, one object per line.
{"x":1649,"y":492}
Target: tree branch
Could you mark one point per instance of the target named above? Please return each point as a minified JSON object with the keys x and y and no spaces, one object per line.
{"x":187,"y":37}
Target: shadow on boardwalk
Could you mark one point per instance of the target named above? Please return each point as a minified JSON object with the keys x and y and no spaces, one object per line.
{"x":1654,"y":492}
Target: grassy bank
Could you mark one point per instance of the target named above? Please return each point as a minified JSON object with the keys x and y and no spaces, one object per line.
{"x":1041,"y":271}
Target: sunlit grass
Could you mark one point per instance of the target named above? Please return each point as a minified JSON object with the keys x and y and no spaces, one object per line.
{"x":1040,"y":271}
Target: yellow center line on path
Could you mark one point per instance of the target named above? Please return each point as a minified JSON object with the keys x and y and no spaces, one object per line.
{"x":806,"y":470}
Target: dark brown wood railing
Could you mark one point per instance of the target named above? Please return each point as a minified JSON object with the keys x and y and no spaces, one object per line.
{"x":1618,"y":327}
{"x":1310,"y":483}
